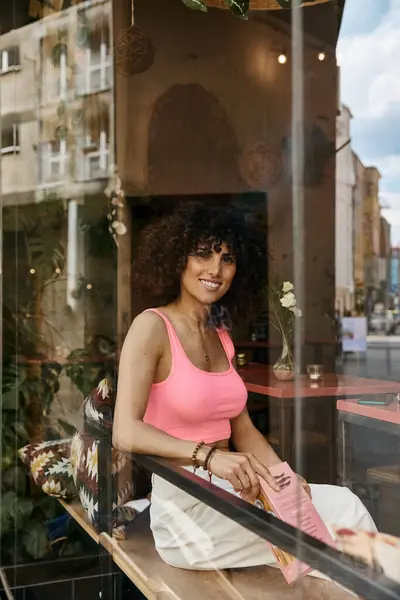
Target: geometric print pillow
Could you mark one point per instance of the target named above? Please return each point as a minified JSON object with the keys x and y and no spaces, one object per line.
{"x":50,"y":467}
{"x":130,"y":479}
{"x":84,"y":466}
{"x":98,"y":407}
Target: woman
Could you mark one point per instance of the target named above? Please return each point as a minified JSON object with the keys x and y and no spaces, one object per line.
{"x":179,"y":396}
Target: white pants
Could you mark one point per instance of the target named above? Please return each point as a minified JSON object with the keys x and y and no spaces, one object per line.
{"x":191,"y":535}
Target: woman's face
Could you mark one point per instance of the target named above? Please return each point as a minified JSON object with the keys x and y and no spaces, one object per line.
{"x":209,"y":272}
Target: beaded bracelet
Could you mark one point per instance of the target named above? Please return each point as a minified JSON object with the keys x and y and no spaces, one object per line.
{"x":208,"y":457}
{"x":194,"y":456}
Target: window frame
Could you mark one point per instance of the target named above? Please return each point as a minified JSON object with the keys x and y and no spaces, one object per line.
{"x":91,"y":67}
{"x":48,"y":158}
{"x":5,"y":66}
{"x":15,"y":147}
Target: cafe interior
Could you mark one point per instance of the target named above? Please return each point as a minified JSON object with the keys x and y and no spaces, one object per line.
{"x":177,"y":105}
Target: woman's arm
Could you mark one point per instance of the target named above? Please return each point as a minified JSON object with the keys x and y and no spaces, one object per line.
{"x":140,"y":356}
{"x":246,"y":438}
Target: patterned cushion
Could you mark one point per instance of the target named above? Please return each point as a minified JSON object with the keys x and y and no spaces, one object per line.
{"x":50,"y":466}
{"x":84,"y":465}
{"x":132,"y":480}
{"x":98,"y":407}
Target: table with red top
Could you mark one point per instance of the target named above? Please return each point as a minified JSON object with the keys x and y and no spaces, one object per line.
{"x":261,"y":380}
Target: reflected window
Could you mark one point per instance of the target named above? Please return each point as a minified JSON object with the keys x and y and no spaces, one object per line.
{"x":95,"y":65}
{"x":9,"y":59}
{"x":92,"y":157}
{"x":55,"y":80}
{"x":10,"y":139}
{"x":54,"y":161}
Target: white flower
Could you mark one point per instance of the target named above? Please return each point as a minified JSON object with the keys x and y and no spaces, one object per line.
{"x":288,"y":300}
{"x":287,"y":287}
{"x":296,"y":311}
{"x":121,"y":229}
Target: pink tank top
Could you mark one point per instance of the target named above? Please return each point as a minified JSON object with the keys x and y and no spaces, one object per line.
{"x":192,"y":404}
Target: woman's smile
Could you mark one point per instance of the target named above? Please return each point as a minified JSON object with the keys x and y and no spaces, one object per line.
{"x":212,"y":286}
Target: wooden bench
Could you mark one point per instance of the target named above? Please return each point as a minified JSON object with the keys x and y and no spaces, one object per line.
{"x":138,"y":559}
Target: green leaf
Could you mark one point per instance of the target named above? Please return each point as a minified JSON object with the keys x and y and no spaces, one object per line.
{"x":50,"y":507}
{"x":7,"y":504}
{"x":23,"y":508}
{"x":21,"y":432}
{"x":14,"y":377}
{"x":15,"y":479}
{"x":195,"y":5}
{"x":35,"y":539}
{"x":239,"y":8}
{"x":10,"y":400}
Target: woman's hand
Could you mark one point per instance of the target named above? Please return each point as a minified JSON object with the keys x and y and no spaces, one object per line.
{"x":304,"y":485}
{"x":242,"y":471}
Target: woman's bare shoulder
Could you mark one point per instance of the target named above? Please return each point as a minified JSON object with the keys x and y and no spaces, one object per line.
{"x":148,"y":326}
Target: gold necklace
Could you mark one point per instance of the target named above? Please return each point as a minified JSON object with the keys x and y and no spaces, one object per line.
{"x":207,"y":358}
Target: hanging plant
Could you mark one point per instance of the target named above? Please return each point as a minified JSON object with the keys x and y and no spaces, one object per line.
{"x":56,"y":52}
{"x":61,"y":132}
{"x":196,"y":5}
{"x":83,"y":30}
{"x":116,"y":196}
{"x":240,"y":8}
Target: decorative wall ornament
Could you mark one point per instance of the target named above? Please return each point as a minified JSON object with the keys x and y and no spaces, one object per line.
{"x":318,"y":151}
{"x":261,"y":166}
{"x":116,"y":195}
{"x":134,"y":50}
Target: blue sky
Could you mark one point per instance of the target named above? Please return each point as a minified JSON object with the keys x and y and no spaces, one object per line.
{"x":369,"y":55}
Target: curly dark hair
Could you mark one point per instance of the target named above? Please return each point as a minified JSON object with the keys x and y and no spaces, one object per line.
{"x":166,"y":243}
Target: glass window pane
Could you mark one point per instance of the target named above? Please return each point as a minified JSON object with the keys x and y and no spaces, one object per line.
{"x":200,"y":267}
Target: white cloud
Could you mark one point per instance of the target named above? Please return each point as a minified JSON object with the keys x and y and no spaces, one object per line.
{"x":389,"y":167}
{"x":393,"y":216}
{"x":370,"y":72}
{"x":370,"y":86}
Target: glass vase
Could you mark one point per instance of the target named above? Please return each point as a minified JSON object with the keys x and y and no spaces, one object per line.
{"x":284,"y":367}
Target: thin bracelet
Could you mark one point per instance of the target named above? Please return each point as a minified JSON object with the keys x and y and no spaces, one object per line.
{"x":194,"y":456}
{"x":208,"y":457}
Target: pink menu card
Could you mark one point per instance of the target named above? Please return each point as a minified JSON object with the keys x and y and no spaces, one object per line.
{"x":293,"y":506}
